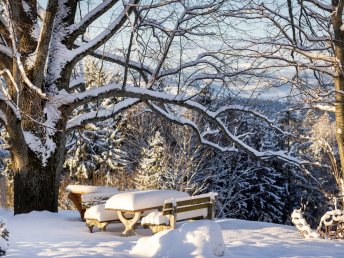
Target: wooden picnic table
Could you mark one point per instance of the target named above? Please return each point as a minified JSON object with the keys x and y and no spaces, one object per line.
{"x":76,"y":191}
{"x":138,"y":202}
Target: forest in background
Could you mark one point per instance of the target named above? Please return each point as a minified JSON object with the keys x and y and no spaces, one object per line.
{"x":138,"y":149}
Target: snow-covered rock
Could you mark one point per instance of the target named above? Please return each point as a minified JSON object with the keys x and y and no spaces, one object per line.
{"x":193,"y":239}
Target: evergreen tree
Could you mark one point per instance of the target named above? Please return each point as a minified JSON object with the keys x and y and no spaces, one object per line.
{"x":248,"y":189}
{"x":95,"y":154}
{"x":153,"y":164}
{"x":98,"y":156}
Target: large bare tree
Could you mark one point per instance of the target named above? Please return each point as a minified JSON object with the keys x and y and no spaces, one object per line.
{"x":301,"y":44}
{"x":167,"y":52}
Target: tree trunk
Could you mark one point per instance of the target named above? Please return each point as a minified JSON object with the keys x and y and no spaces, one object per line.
{"x":339,"y":87}
{"x":36,"y":187}
{"x":339,"y":105}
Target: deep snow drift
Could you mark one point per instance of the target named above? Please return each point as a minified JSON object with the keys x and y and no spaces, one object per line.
{"x":197,"y":239}
{"x":44,"y":234}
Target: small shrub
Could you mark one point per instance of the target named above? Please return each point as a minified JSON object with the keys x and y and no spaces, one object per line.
{"x":4,"y":237}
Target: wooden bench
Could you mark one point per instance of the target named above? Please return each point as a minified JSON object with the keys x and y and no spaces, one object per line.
{"x":180,"y":209}
{"x":137,"y":204}
{"x":99,"y":217}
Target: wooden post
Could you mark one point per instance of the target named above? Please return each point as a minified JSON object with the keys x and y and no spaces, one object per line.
{"x":173,"y":217}
{"x":211,"y":209}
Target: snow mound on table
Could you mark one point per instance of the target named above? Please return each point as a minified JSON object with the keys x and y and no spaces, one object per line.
{"x":140,"y":200}
{"x":155,"y":218}
{"x":99,"y":213}
{"x":86,"y":189}
{"x":193,"y":239}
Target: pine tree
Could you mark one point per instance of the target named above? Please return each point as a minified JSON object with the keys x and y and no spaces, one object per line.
{"x":153,"y":164}
{"x":248,"y":189}
{"x":97,"y":155}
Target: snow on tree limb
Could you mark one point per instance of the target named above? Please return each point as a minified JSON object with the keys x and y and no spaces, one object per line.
{"x":186,"y":122}
{"x":113,"y":58}
{"x":43,"y":149}
{"x":105,"y":35}
{"x":102,"y":114}
{"x":27,"y":80}
{"x":227,"y":134}
{"x":76,"y":82}
{"x":80,"y":28}
{"x":41,"y":52}
{"x":179,"y":100}
{"x":6,"y":50}
{"x":323,"y":6}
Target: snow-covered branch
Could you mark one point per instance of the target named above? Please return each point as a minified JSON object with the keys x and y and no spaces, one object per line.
{"x":41,"y":52}
{"x":104,"y":36}
{"x":6,"y":50}
{"x":226,"y":133}
{"x":102,"y":114}
{"x":27,"y":81}
{"x":120,"y":60}
{"x":187,"y":122}
{"x":76,"y":82}
{"x":322,"y":6}
{"x":80,"y":28}
{"x":180,"y":100}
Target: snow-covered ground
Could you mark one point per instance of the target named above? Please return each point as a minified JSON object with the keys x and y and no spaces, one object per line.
{"x":44,"y":234}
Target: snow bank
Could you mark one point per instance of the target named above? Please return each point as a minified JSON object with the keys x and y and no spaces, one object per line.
{"x":45,"y":234}
{"x":192,"y":239}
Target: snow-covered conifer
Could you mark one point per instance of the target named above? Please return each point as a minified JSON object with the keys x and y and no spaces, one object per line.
{"x":153,"y":163}
{"x":4,"y":237}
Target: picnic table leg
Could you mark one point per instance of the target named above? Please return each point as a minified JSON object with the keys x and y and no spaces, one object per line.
{"x":76,"y":199}
{"x":128,"y":223}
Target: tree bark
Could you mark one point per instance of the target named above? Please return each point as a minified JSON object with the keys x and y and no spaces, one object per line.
{"x":36,"y":186}
{"x":339,"y":85}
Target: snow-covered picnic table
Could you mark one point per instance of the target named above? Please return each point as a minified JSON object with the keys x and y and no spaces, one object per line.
{"x":138,"y":202}
{"x":87,"y":193}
